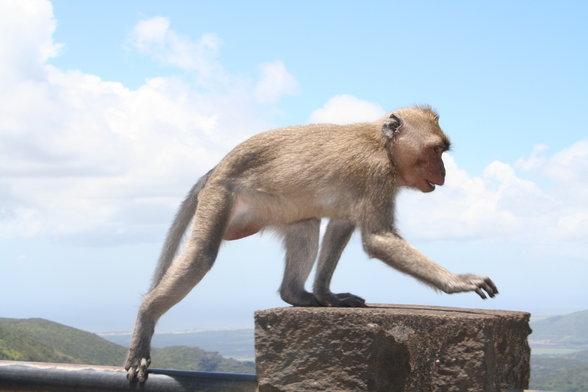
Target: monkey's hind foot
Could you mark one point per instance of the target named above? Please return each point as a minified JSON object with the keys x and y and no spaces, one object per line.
{"x":137,"y":368}
{"x":300,"y":298}
{"x":342,"y":300}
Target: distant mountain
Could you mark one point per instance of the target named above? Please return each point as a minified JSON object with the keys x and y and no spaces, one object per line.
{"x":46,"y":341}
{"x":194,"y":358}
{"x":233,"y":343}
{"x":570,"y":330}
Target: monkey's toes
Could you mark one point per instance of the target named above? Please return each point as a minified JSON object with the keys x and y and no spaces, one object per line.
{"x":138,"y":370}
{"x":351,"y":301}
{"x":343,"y":300}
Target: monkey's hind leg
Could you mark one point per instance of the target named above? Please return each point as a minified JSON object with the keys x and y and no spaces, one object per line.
{"x":335,"y":239}
{"x":184,"y":273}
{"x":301,"y":241}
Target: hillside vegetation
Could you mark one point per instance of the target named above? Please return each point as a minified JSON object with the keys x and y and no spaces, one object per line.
{"x":46,"y":341}
{"x":562,"y":373}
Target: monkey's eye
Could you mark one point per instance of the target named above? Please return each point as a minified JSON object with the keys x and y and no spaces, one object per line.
{"x":440,"y":149}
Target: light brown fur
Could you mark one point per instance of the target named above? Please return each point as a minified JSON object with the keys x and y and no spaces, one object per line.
{"x":287,"y":180}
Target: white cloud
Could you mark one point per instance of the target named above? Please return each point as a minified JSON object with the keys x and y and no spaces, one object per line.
{"x":94,"y":148}
{"x":93,"y":159}
{"x":346,"y":109}
{"x":275,"y":82}
{"x":23,"y":49}
{"x":501,"y":204}
{"x":567,"y":171}
{"x":569,"y":166}
{"x":150,"y":32}
{"x":155,"y":38}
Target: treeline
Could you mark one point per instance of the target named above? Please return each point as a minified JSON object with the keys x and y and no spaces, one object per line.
{"x":562,"y":373}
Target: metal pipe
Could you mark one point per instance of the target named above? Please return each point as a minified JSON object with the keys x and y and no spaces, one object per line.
{"x":38,"y":376}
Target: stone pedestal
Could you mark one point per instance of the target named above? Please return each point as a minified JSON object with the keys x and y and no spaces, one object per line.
{"x":391,"y":348}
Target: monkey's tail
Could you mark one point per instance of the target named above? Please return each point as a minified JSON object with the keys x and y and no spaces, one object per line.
{"x":178,"y":228}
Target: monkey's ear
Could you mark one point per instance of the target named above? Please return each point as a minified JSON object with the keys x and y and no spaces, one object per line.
{"x":391,"y":126}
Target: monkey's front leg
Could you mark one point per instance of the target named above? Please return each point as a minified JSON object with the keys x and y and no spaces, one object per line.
{"x":334,"y":241}
{"x":399,"y":254}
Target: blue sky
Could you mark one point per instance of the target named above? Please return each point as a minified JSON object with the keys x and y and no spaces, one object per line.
{"x":110,"y":111}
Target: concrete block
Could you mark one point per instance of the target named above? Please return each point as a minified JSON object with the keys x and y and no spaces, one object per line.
{"x":391,"y":348}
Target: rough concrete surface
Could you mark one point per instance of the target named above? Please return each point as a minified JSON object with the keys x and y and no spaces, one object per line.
{"x":391,"y":348}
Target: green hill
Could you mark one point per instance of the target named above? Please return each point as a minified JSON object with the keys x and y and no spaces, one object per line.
{"x":46,"y":341}
{"x":570,"y":330}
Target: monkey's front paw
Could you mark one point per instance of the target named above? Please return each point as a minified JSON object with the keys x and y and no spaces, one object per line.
{"x":136,"y":368}
{"x":343,"y":300}
{"x":477,"y":283}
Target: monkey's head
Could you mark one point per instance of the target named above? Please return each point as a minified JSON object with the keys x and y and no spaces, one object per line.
{"x":416,"y":144}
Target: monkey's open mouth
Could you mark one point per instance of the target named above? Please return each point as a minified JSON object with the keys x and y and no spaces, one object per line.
{"x":431,"y":185}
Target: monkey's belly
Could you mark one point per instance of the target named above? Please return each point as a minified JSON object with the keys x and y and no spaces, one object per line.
{"x":253,"y":212}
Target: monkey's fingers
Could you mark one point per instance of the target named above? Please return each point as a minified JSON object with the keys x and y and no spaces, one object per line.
{"x":480,"y":293}
{"x":493,"y":289}
{"x":488,"y":286}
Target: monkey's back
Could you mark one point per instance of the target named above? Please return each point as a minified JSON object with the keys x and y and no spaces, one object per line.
{"x":291,"y":158}
{"x":317,"y":170}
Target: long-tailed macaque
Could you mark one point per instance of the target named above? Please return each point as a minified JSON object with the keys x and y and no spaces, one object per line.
{"x":287,"y":180}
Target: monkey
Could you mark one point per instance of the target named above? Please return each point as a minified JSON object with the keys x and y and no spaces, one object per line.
{"x":287,"y":180}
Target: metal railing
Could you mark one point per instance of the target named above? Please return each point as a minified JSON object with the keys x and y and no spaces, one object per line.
{"x":41,"y":376}
{"x":48,"y":377}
